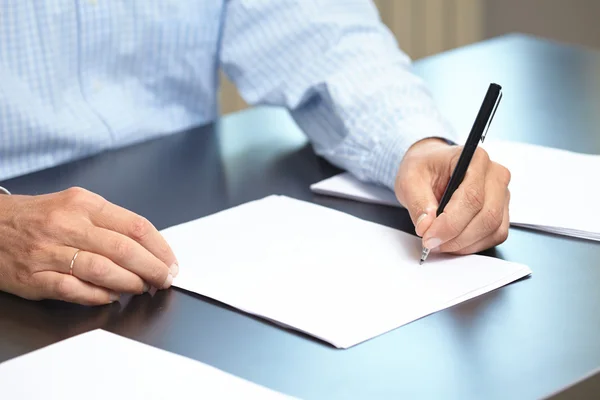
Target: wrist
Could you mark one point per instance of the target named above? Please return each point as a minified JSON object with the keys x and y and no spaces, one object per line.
{"x":428,"y":143}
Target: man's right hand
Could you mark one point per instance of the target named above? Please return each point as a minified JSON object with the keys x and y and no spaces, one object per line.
{"x":119,"y":251}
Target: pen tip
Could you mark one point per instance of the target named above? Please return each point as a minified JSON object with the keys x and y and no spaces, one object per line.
{"x":421,"y":262}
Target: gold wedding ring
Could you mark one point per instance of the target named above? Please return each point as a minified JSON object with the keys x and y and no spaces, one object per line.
{"x":73,"y":262}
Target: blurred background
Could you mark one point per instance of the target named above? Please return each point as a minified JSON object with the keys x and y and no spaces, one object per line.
{"x":427,"y":27}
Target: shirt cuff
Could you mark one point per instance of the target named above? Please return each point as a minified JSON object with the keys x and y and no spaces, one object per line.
{"x":388,"y":153}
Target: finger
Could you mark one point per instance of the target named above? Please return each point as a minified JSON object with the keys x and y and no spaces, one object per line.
{"x":126,"y":253}
{"x":498,"y":237}
{"x":58,"y":286}
{"x":466,"y":202}
{"x":488,"y":220}
{"x":102,"y":272}
{"x":138,"y":228}
{"x":415,"y":193}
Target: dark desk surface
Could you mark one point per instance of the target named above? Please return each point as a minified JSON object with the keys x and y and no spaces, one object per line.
{"x":525,"y":340}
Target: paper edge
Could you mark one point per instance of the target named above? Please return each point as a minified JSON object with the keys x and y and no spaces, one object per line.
{"x":189,"y":360}
{"x":348,"y":344}
{"x":557,"y":230}
{"x":318,"y":188}
{"x":504,"y":281}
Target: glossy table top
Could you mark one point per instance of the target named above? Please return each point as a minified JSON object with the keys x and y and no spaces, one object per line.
{"x":525,"y":340}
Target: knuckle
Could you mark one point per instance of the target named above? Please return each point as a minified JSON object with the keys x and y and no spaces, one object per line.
{"x":493,"y":219}
{"x":158,"y":275}
{"x":504,"y":175}
{"x":166,"y":253}
{"x":502,"y":234}
{"x":136,"y":286}
{"x":452,"y":228}
{"x":482,"y":155}
{"x":97,"y":296}
{"x":75,"y":194}
{"x":78,"y":197}
{"x":474,"y":197}
{"x":95,"y":203}
{"x":140,"y":228}
{"x":122,"y":248}
{"x":97,"y":269}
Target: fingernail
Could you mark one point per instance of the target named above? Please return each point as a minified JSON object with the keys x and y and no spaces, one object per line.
{"x":168,"y":282}
{"x":146,"y":287}
{"x":432,"y":243}
{"x":419,"y":220}
{"x":174,"y":269}
{"x":114,"y":297}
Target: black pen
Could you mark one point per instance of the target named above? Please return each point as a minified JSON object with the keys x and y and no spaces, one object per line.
{"x":478,"y":132}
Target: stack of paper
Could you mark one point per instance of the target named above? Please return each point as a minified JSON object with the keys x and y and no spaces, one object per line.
{"x":346,"y":186}
{"x":551,"y":190}
{"x":323,"y":272}
{"x":101,"y":365}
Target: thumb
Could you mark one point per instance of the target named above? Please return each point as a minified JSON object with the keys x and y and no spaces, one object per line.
{"x":417,"y":196}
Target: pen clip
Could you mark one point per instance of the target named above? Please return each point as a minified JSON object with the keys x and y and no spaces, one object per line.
{"x":492,"y":117}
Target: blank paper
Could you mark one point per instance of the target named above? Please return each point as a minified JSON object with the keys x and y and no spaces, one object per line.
{"x":552,"y":190}
{"x":323,"y":272}
{"x":101,"y":365}
{"x":346,"y":186}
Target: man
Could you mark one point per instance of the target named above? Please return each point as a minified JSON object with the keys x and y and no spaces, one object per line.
{"x":80,"y":77}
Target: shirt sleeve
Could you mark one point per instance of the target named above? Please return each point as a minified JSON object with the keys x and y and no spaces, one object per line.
{"x":339,"y":71}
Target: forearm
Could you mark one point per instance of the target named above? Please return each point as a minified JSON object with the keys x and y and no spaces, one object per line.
{"x":369,"y":135}
{"x":340,"y":72}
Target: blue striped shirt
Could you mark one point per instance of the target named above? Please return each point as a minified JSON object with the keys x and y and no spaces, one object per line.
{"x":78,"y":77}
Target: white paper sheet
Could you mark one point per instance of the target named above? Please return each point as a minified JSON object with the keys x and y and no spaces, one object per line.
{"x":334,"y":276}
{"x":551,"y":190}
{"x":101,"y":365}
{"x":346,"y":186}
